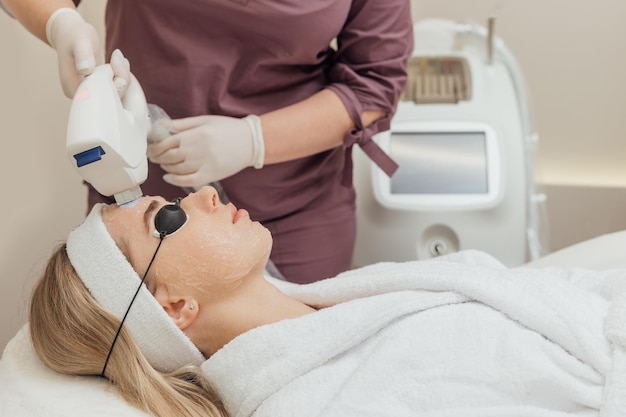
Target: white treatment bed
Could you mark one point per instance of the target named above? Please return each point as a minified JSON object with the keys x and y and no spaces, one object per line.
{"x":28,"y":389}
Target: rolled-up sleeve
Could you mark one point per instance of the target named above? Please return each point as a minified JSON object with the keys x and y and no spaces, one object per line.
{"x":369,"y":70}
{"x":370,"y":67}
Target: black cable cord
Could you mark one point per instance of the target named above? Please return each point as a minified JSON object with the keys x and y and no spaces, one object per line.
{"x":119,"y":329}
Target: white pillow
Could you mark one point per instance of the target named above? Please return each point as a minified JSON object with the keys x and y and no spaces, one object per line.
{"x":29,"y":389}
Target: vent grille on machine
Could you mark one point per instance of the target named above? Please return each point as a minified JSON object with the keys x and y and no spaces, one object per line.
{"x":438,"y":80}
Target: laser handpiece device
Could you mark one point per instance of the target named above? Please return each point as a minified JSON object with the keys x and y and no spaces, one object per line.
{"x":107,"y":135}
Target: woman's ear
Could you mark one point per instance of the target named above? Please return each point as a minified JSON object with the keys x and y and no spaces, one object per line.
{"x":183,"y":310}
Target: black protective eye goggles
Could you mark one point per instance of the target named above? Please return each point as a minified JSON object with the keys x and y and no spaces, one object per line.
{"x":169,"y":219}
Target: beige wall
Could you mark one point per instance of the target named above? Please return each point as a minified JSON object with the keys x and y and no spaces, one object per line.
{"x":571,"y":53}
{"x":43,"y":196}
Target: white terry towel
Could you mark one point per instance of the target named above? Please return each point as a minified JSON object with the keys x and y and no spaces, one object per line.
{"x":456,"y":336}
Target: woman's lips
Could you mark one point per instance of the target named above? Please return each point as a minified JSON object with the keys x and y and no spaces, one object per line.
{"x":239,"y":214}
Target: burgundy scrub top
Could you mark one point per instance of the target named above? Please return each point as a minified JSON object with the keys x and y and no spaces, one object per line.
{"x":240,"y":57}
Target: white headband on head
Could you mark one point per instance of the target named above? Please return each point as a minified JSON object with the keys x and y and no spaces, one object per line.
{"x":112,"y":281}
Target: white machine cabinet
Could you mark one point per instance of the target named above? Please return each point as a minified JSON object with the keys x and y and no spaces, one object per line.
{"x":463,"y":142}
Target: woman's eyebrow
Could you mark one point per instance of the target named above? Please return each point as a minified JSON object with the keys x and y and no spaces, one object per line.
{"x":148,"y":214}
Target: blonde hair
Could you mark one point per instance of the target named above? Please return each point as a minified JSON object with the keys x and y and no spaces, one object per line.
{"x":72,"y":334}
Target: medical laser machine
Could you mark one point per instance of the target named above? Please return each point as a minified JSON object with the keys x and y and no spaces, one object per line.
{"x":463,"y":139}
{"x":107,"y":135}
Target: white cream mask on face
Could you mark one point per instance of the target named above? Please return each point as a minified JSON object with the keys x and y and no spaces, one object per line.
{"x":112,"y":281}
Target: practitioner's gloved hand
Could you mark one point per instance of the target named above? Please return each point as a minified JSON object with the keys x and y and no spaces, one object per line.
{"x":77,"y":45}
{"x":206,"y":149}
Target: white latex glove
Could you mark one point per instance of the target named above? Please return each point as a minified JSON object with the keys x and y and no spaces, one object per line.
{"x":205,"y":149}
{"x":77,"y":45}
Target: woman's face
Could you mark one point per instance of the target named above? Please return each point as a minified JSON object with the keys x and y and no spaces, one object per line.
{"x":219,"y":244}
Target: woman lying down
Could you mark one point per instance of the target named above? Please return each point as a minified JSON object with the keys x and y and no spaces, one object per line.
{"x":205,"y":334}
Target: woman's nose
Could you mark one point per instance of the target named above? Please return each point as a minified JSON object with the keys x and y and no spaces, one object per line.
{"x":207,"y":196}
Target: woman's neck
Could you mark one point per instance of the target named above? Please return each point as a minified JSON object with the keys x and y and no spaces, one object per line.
{"x":254,"y":303}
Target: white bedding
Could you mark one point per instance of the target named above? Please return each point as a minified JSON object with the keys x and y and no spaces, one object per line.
{"x":567,"y":337}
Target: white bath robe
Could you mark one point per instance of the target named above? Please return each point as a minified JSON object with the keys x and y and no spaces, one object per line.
{"x":457,"y":336}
